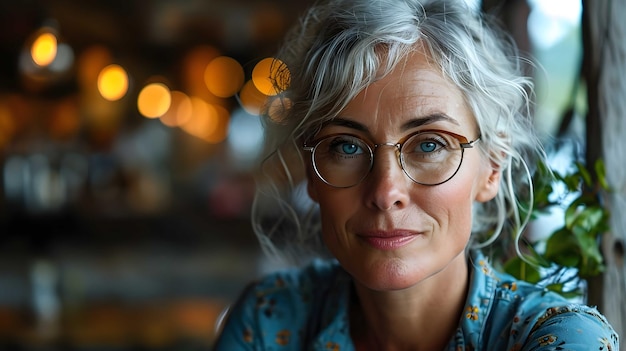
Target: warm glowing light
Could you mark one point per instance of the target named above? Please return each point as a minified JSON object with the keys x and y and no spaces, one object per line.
{"x":209,"y":122}
{"x":252,"y":100}
{"x":202,"y":121}
{"x":154,"y":100}
{"x":278,"y":109}
{"x":224,"y":76}
{"x":270,"y":76}
{"x":113,"y":82}
{"x":180,"y":111}
{"x":44,"y":49}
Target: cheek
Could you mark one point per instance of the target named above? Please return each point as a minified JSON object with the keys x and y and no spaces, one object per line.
{"x":451,"y":205}
{"x":335,"y":212}
{"x":460,"y":193}
{"x":336,"y":206}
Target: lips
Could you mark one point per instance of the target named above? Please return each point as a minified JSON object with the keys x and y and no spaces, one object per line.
{"x":388,"y":240}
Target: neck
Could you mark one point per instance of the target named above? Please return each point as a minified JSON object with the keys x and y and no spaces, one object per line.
{"x":422,"y":317}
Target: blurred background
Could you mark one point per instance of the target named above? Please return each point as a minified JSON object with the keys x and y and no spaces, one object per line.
{"x":129,"y":132}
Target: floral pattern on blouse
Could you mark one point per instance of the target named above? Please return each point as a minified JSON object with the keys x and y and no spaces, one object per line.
{"x":307,"y":309}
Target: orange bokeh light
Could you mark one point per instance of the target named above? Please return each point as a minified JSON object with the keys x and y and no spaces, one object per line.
{"x":44,"y":49}
{"x":113,"y":82}
{"x":270,"y":76}
{"x":224,"y":76}
{"x":278,"y":108}
{"x":154,"y":100}
{"x":180,"y":111}
{"x":209,"y":122}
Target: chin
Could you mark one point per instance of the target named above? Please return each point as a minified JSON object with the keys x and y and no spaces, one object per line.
{"x":389,"y":275}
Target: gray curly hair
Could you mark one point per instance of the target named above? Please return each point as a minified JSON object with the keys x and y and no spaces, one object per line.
{"x":337,"y":49}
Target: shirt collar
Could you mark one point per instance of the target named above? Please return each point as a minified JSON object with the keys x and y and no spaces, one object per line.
{"x":335,"y":327}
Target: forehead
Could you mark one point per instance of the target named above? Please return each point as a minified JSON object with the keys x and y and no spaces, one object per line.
{"x":413,"y":89}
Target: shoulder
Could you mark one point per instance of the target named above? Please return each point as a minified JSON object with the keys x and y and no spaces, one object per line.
{"x":572,"y":327}
{"x":277,"y":295}
{"x":526,"y":316}
{"x":292,"y":287}
{"x":278,"y":307}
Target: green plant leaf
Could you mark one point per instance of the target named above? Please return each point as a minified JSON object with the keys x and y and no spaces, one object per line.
{"x":601,"y":173}
{"x":521,"y":269}
{"x":584,"y":174}
{"x":563,"y":248}
{"x":576,"y":245}
{"x":588,"y":218}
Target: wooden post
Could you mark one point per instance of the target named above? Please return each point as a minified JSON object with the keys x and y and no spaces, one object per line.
{"x":604,"y":70}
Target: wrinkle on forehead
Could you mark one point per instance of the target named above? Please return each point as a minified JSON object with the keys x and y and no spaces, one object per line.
{"x":414,"y":93}
{"x":409,"y":90}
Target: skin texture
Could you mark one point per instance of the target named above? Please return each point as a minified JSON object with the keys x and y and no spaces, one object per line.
{"x":419,"y":278}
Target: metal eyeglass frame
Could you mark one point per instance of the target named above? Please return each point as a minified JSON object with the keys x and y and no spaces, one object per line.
{"x":463,"y":143}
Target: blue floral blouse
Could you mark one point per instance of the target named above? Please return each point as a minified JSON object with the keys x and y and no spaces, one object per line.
{"x":307,"y":309}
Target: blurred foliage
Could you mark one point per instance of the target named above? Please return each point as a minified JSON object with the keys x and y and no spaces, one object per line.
{"x":571,"y":253}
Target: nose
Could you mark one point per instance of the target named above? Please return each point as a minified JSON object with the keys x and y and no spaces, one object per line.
{"x":387,"y":185}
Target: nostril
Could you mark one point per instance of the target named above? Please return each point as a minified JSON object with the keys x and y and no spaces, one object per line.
{"x":388,"y":187}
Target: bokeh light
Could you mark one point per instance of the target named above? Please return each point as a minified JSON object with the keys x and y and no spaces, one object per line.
{"x":113,"y":82}
{"x":270,"y":76}
{"x":154,"y":100}
{"x":278,"y":109}
{"x":201,"y":122}
{"x":224,"y":76}
{"x":209,"y":122}
{"x":180,"y":111}
{"x":44,"y":49}
{"x":252,"y":100}
{"x":246,"y":137}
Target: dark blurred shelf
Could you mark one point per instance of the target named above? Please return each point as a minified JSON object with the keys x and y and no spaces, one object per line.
{"x":178,"y":229}
{"x":122,"y":283}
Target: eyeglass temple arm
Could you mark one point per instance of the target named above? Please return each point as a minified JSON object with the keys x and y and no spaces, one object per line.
{"x":470,"y":144}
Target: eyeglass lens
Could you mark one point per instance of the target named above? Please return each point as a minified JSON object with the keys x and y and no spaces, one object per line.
{"x":428,"y":158}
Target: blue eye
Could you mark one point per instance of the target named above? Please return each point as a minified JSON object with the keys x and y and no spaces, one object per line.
{"x":347,"y":146}
{"x":428,"y":146}
{"x":349,"y":149}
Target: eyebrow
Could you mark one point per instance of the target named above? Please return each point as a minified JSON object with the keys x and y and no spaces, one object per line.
{"x":410,"y":124}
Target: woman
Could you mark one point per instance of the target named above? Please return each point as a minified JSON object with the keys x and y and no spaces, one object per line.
{"x":408,"y":120}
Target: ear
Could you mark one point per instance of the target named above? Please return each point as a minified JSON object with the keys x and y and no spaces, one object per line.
{"x":489,"y":184}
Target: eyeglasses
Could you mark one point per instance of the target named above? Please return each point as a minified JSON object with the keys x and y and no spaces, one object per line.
{"x":428,"y":157}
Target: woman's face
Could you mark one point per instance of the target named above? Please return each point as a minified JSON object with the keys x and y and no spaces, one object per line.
{"x":389,"y":232}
